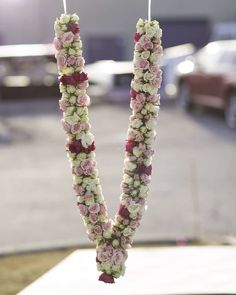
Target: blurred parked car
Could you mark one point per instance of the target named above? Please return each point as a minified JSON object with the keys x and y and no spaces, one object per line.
{"x":110,"y":80}
{"x":208,"y":78}
{"x":171,"y":58}
{"x":28,"y":71}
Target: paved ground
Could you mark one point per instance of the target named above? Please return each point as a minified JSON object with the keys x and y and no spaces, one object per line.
{"x":192,"y":194}
{"x":176,"y":270}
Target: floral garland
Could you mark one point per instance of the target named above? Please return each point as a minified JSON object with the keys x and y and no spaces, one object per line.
{"x":112,"y":238}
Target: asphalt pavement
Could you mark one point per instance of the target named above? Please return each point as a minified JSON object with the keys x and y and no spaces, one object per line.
{"x":193,"y":190}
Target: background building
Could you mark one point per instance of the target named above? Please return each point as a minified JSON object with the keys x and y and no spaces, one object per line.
{"x":108,"y":25}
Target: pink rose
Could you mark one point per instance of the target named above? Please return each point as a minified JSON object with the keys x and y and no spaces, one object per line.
{"x":94,"y":208}
{"x":97,"y":229}
{"x":67,"y":38}
{"x":57,"y":43}
{"x":103,"y":209}
{"x":83,"y":100}
{"x":135,"y":105}
{"x":156,"y":82}
{"x":158,"y":48}
{"x":148,"y":46}
{"x":79,"y":61}
{"x":92,"y":237}
{"x":106,"y":226}
{"x":138,"y":46}
{"x":61,"y":60}
{"x":145,"y":178}
{"x":83,"y":85}
{"x":144,"y":40}
{"x":154,"y":98}
{"x":117,"y":257}
{"x":71,"y":60}
{"x":78,"y":189}
{"x":63,"y":104}
{"x":154,"y":69}
{"x":141,"y":98}
{"x":93,"y":217}
{"x":102,"y":256}
{"x":66,"y":126}
{"x":74,"y":28}
{"x":76,"y":128}
{"x":142,"y":64}
{"x":83,"y":209}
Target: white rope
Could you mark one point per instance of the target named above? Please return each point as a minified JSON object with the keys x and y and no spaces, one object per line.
{"x":149,"y":10}
{"x":64,"y":5}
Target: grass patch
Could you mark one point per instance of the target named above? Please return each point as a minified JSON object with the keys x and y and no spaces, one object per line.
{"x":18,"y":271}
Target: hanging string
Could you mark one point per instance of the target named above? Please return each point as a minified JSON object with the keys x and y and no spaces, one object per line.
{"x":149,"y":10}
{"x":64,"y":5}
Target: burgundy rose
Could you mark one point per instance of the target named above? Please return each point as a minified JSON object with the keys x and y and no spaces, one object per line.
{"x":67,"y":80}
{"x":123,"y":211}
{"x":109,"y":279}
{"x":74,"y":79}
{"x":90,"y":148}
{"x":142,"y":169}
{"x":133,"y":93}
{"x":80,"y":77}
{"x":77,"y":147}
{"x":136,"y":37}
{"x":129,"y":146}
{"x":74,"y":28}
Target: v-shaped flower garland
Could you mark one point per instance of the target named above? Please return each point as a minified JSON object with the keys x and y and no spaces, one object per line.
{"x":112,"y":238}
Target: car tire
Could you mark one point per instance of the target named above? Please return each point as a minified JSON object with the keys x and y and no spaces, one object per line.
{"x":184,"y":97}
{"x":230,"y":111}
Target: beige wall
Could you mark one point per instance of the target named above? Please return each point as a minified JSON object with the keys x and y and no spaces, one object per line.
{"x":31,"y":21}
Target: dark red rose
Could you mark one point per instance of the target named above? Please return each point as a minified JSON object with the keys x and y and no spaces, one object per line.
{"x":133,"y":93}
{"x":109,"y":279}
{"x":75,"y":146}
{"x":80,"y":77}
{"x":129,"y":146}
{"x":123,"y":211}
{"x":74,"y":28}
{"x":67,"y":80}
{"x":136,"y":37}
{"x":91,"y":148}
{"x":142,"y":169}
{"x":74,"y":79}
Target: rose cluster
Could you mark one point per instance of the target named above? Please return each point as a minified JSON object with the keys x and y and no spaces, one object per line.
{"x":139,"y":147}
{"x":80,"y":143}
{"x":112,"y":238}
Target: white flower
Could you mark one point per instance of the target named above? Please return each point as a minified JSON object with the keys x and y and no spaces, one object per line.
{"x":140,"y":26}
{"x":87,"y":139}
{"x":72,"y":119}
{"x":129,"y":165}
{"x":127,"y":232}
{"x":150,"y":30}
{"x":136,"y":123}
{"x":128,"y":179}
{"x":138,"y":73}
{"x":137,"y":152}
{"x":154,"y":57}
{"x":69,"y":111}
{"x":65,"y":18}
{"x":143,"y":190}
{"x":150,"y":124}
{"x":74,"y":18}
{"x":145,"y":54}
{"x":134,"y":208}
